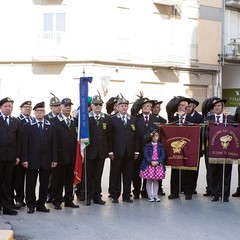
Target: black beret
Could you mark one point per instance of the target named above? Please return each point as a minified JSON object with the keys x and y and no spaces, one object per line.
{"x":26,"y":103}
{"x":4,"y":100}
{"x":39,"y":105}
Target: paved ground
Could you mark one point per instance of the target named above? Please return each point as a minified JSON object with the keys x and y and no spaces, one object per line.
{"x":170,"y":219}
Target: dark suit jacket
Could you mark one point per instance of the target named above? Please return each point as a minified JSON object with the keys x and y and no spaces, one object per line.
{"x":198,"y":117}
{"x":123,"y":138}
{"x":142,"y":129}
{"x":39,"y":150}
{"x":49,"y":116}
{"x":10,"y":137}
{"x":99,"y":136}
{"x":66,"y":140}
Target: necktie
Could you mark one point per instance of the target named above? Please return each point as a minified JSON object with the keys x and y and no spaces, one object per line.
{"x":181,"y":120}
{"x":124,"y":122}
{"x":6,"y":120}
{"x":97,"y":119}
{"x":218,"y":119}
{"x":40,"y":127}
{"x":146,"y":120}
{"x":28,"y":119}
{"x":68,"y":122}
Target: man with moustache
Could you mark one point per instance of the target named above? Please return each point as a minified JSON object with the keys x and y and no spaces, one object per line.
{"x":39,"y":155}
{"x":9,"y":153}
{"x":63,"y":174}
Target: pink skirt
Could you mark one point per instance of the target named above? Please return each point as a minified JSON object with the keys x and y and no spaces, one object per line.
{"x":151,"y":172}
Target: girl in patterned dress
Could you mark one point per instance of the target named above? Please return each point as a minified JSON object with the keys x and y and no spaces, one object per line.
{"x":152,"y":167}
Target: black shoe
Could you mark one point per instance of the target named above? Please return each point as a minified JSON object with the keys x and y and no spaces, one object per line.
{"x":115,"y":200}
{"x":42,"y":209}
{"x":9,"y":211}
{"x":215,"y":199}
{"x":136,"y":196}
{"x":57,"y":207}
{"x":71,"y":205}
{"x":144,"y":194}
{"x":195,"y":192}
{"x":14,"y":206}
{"x":226,"y":199}
{"x":236,"y":194}
{"x":30,"y":210}
{"x":173,"y":196}
{"x":188,"y":197}
{"x":161,"y":192}
{"x":20,"y":204}
{"x":88,"y":202}
{"x":207,"y":193}
{"x":99,"y":201}
{"x":128,"y":200}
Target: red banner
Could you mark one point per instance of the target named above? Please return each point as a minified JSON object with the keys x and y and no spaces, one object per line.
{"x":181,"y":144}
{"x":224,"y":143}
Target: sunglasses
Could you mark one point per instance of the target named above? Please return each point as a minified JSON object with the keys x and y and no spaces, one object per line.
{"x":97,"y":104}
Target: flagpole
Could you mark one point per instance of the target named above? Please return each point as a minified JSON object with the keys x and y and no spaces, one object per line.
{"x":85,"y":177}
{"x":223,"y":176}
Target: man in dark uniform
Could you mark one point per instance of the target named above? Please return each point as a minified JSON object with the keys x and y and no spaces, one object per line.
{"x":216,"y":170}
{"x":19,"y":178}
{"x":123,"y":151}
{"x":39,"y":154}
{"x":9,"y":153}
{"x":191,"y":110}
{"x":145,"y":121}
{"x":97,"y":150}
{"x":186,"y":175}
{"x":63,"y":174}
{"x":156,"y":111}
{"x":55,"y":110}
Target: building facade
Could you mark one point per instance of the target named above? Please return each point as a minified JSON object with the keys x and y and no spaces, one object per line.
{"x":164,"y":48}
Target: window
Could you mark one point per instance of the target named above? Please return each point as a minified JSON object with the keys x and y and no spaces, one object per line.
{"x":53,"y":26}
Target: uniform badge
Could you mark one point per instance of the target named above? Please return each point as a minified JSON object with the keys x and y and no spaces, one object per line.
{"x":133,"y":127}
{"x":105,"y":126}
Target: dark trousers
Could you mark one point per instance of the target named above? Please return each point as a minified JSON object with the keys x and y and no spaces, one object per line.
{"x":238,"y":176}
{"x":216,"y":173}
{"x":31,"y":180}
{"x":94,"y":177}
{"x":186,"y":181}
{"x":20,"y":183}
{"x":63,"y":175}
{"x":6,"y":177}
{"x":121,"y":168}
{"x":137,"y":181}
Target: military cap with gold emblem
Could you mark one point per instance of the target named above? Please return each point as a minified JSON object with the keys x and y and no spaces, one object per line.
{"x":4,"y":100}
{"x":66,"y":101}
